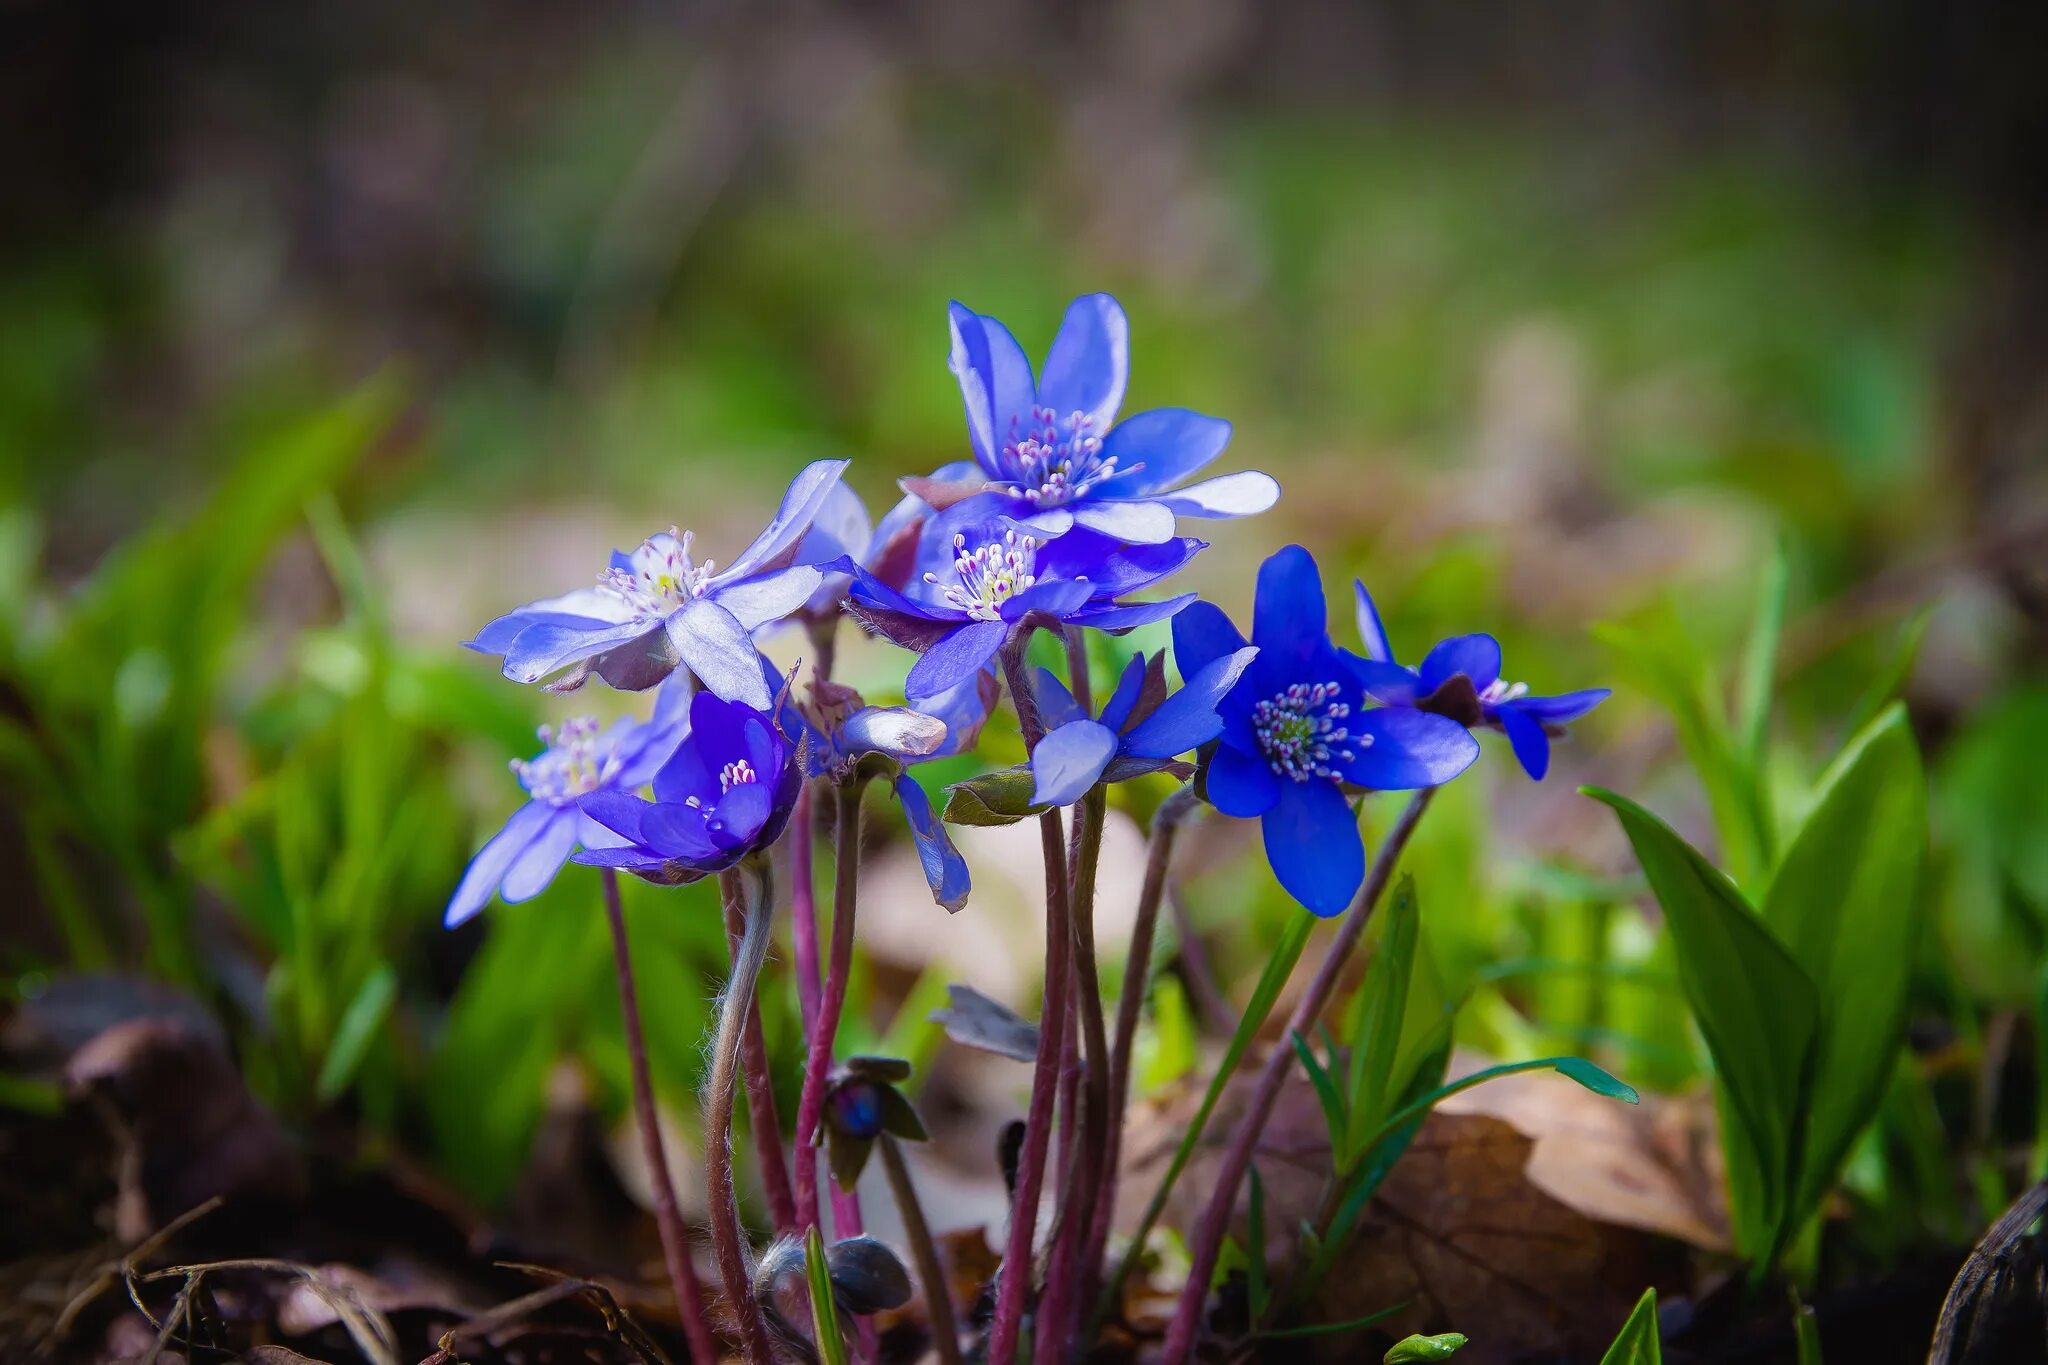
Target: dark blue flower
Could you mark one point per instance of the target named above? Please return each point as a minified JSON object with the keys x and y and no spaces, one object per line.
{"x":1296,"y":733}
{"x":1141,"y":728}
{"x":657,"y":608}
{"x":958,"y":615}
{"x":841,"y":735}
{"x":1460,"y":678}
{"x":581,"y":760}
{"x":725,"y":792}
{"x":1049,"y":449}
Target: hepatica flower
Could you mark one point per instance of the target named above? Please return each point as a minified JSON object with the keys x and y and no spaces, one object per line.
{"x":660,"y":607}
{"x":725,"y":792}
{"x":1297,"y":733}
{"x":957,"y":614}
{"x":843,"y":530}
{"x":1460,"y":678}
{"x":1140,"y":730}
{"x":582,"y":760}
{"x":1050,"y":450}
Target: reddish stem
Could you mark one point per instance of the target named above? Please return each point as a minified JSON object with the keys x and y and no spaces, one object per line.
{"x":1207,"y":1241}
{"x":764,"y":1120}
{"x":728,"y":1238}
{"x":675,"y":1242}
{"x":810,"y":1108}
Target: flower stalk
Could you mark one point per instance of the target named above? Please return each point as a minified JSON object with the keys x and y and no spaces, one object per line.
{"x":728,"y":1237}
{"x":763,"y":1119}
{"x":668,"y":1218}
{"x":1207,"y":1240}
{"x":931,"y":1270}
{"x":832,"y":1004}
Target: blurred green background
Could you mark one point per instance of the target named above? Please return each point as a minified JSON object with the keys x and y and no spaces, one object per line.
{"x":332,"y":332}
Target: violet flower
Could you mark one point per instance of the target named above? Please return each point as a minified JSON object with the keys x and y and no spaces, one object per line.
{"x":726,"y":792}
{"x":1460,"y":678}
{"x":581,"y":760}
{"x":1140,"y":730}
{"x":958,"y":616}
{"x":1050,"y":450}
{"x":657,"y":609}
{"x":1297,"y":734}
{"x":843,"y":529}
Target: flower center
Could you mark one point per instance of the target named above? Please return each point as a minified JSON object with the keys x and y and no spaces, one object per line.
{"x":575,"y":763}
{"x":738,"y":773}
{"x":1299,"y":733}
{"x":990,"y":574}
{"x":1500,"y":690}
{"x":662,"y":576}
{"x":1054,"y":460}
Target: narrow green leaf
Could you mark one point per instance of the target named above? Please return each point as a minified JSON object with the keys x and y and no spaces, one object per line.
{"x":1286,"y":952}
{"x":1573,"y":1068}
{"x":1760,"y":659}
{"x":1256,"y":1287}
{"x":1846,"y":904}
{"x":1415,"y":1349}
{"x":1326,"y":1088}
{"x":824,"y":1311}
{"x":359,"y":1025}
{"x":1638,"y":1343}
{"x":1893,"y":677}
{"x":1805,"y":1332}
{"x":1330,"y":1329}
{"x":1760,"y":1015}
{"x":1383,"y":1005}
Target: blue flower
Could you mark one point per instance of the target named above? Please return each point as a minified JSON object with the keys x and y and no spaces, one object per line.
{"x":657,"y":608}
{"x":1460,"y":678}
{"x":843,"y":530}
{"x":725,"y":792}
{"x":1140,"y":730}
{"x":957,"y":617}
{"x":1296,"y":733}
{"x":1050,"y":449}
{"x":581,"y":761}
{"x":841,"y":735}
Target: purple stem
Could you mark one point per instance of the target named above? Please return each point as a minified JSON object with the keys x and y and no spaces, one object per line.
{"x":749,"y":949}
{"x":810,"y":1108}
{"x":763,"y":1119}
{"x":675,"y":1242}
{"x":803,"y":920}
{"x":1207,"y":1241}
{"x":1016,"y":1285}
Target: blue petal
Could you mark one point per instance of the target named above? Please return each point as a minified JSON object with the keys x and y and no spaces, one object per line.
{"x":755,"y":602}
{"x":776,"y":546}
{"x":1123,"y":569}
{"x":1386,"y":682}
{"x":1067,"y":761}
{"x":1288,"y":622}
{"x":964,"y":708}
{"x":1156,"y":450}
{"x":1060,"y":598}
{"x":1242,"y":783}
{"x":678,"y":832}
{"x":1243,"y":494}
{"x":1397,"y":749}
{"x":1118,"y":619}
{"x":995,"y":382}
{"x":487,"y":869}
{"x":718,"y":737}
{"x":1056,"y":705}
{"x":1140,"y":523}
{"x":1565,"y":707}
{"x":1202,"y":634}
{"x":1089,"y":363}
{"x":1525,"y":733}
{"x":1372,"y":636}
{"x":896,"y":731}
{"x":1475,"y":656}
{"x":954,"y":659}
{"x":841,"y":527}
{"x":740,"y":815}
{"x":542,"y":649}
{"x":1130,"y":684}
{"x":537,"y":865}
{"x":1313,"y":844}
{"x":944,"y":868}
{"x":1188,"y":719}
{"x":714,"y":645}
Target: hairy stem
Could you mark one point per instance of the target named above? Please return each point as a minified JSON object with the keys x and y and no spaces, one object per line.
{"x":810,"y":1108}
{"x":727,"y":1236}
{"x":1064,"y":1277}
{"x":1017,"y":1274}
{"x":764,"y":1121}
{"x":1166,"y":825}
{"x":675,"y":1242}
{"x":1207,"y":1241}
{"x":803,"y":930}
{"x":931,"y":1271}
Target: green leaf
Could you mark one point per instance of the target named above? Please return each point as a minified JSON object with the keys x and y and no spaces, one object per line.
{"x":1897,"y":670}
{"x":1259,"y":1292}
{"x":1846,"y":903}
{"x":1330,"y":1329}
{"x":359,"y":1025}
{"x":1638,"y":1343}
{"x":997,"y":798}
{"x":1417,"y":1348}
{"x":1760,"y":1015}
{"x":1382,"y":1008}
{"x":1327,"y":1093}
{"x":824,"y":1311}
{"x":1573,"y":1068}
{"x":1805,"y":1333}
{"x":1760,"y":662}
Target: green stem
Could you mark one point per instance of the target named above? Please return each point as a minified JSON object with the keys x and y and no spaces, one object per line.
{"x":931,"y":1271}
